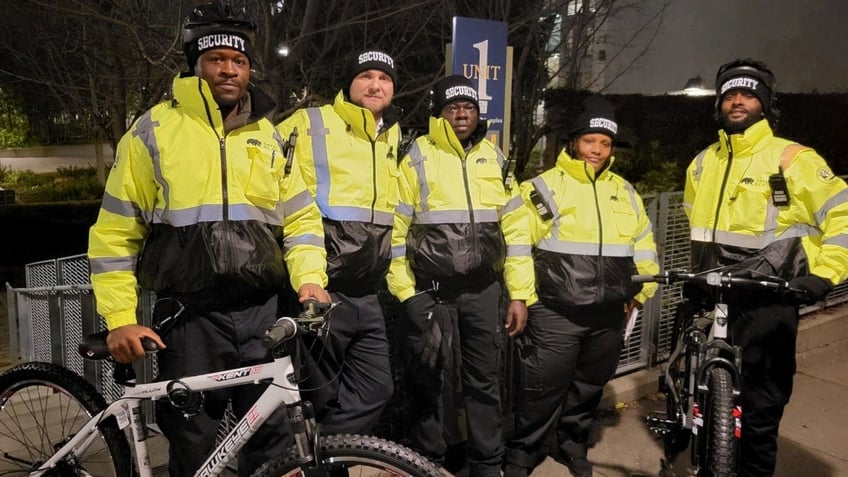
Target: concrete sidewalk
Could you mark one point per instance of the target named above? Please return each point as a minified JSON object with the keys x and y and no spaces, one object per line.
{"x":813,"y":434}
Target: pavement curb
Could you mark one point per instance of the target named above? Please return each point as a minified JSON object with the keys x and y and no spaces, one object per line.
{"x":814,"y":330}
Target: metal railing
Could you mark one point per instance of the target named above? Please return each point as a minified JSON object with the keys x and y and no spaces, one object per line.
{"x":56,"y":309}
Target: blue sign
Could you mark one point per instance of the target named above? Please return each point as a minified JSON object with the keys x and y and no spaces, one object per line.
{"x":479,"y":53}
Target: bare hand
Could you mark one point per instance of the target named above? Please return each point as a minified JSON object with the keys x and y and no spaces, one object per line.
{"x":312,"y":290}
{"x":124,"y":342}
{"x":516,"y":317}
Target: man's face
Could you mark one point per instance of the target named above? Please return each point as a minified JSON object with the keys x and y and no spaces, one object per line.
{"x":739,"y":110}
{"x":463,"y":117}
{"x":372,"y":90}
{"x":595,"y":149}
{"x":227,"y":72}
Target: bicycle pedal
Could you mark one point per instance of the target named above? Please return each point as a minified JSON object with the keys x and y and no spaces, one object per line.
{"x":659,"y":424}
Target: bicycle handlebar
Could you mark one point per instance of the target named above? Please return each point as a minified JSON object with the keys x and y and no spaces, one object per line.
{"x":94,"y":346}
{"x":285,"y":328}
{"x":717,"y":279}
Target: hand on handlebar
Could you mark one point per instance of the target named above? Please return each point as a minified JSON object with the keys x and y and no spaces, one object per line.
{"x":808,"y":289}
{"x":125,"y":345}
{"x":312,"y":291}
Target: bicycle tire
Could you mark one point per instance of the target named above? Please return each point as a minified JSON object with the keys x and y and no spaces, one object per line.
{"x":718,"y":458}
{"x":42,"y":405}
{"x":355,"y":452}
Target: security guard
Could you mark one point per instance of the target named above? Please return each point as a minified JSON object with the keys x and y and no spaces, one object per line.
{"x":196,"y":209}
{"x":590,"y":233}
{"x":347,"y":152}
{"x":771,"y":206}
{"x":456,"y":238}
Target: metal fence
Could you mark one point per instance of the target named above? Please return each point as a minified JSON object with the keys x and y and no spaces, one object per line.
{"x":56,"y":309}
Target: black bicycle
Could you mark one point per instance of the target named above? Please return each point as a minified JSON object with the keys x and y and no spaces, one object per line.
{"x":54,"y":423}
{"x":702,"y":381}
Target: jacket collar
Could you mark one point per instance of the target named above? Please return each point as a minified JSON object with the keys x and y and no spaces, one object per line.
{"x":579,"y":169}
{"x":442,"y":133}
{"x":360,"y":120}
{"x":751,"y":140}
{"x":194,"y":94}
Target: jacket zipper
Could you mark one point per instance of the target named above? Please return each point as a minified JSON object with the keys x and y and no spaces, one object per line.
{"x":222,"y":145}
{"x":600,"y":270}
{"x":373,"y":165}
{"x":723,"y":185}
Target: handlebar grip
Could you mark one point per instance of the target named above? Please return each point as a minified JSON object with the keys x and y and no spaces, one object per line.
{"x":643,"y":278}
{"x":149,"y":345}
{"x":280,"y":331}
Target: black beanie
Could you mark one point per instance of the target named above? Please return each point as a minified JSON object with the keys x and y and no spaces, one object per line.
{"x":372,"y":60}
{"x":212,"y":26}
{"x":598,"y":116}
{"x":750,"y":75}
{"x":451,"y":88}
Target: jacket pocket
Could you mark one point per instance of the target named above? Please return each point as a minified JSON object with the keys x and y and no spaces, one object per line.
{"x":490,"y":186}
{"x":748,"y":207}
{"x":263,"y":187}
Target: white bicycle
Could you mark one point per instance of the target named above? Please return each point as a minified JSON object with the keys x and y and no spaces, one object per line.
{"x":54,"y":423}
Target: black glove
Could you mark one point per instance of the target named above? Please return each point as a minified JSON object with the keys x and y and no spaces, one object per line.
{"x":814,"y":288}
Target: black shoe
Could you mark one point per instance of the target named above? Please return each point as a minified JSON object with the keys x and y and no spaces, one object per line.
{"x":512,"y":470}
{"x":579,"y":467}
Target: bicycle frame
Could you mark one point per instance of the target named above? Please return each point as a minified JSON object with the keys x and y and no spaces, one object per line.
{"x":703,"y":349}
{"x":127,"y":411}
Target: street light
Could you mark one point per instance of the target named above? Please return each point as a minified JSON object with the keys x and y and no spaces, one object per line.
{"x":694,"y":87}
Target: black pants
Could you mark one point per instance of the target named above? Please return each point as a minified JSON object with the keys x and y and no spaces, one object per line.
{"x":363,"y":387}
{"x":565,"y":361}
{"x":767,"y":332}
{"x":477,"y":316}
{"x":204,"y":342}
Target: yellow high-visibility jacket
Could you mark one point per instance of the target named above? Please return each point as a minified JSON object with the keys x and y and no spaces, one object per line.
{"x":457,"y":222}
{"x":351,"y":170}
{"x":734,"y":219}
{"x":590,"y":234}
{"x":193,"y":212}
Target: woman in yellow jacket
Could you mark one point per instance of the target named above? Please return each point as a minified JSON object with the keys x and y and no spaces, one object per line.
{"x":590,"y":233}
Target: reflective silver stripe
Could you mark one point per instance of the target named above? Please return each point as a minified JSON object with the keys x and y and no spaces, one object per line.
{"x":649,"y":229}
{"x":633,"y":203}
{"x":645,"y":255}
{"x":112,"y":264}
{"x":500,"y":156}
{"x":307,"y":239}
{"x":416,"y":161}
{"x":298,"y":202}
{"x":124,"y":208}
{"x":750,"y":241}
{"x":318,"y":134}
{"x":840,"y":198}
{"x":841,"y":240}
{"x":512,"y":204}
{"x":214,"y":213}
{"x":455,"y":217}
{"x":144,"y":131}
{"x":405,"y":210}
{"x":699,"y":164}
{"x":518,"y":250}
{"x":585,"y":248}
{"x":399,"y":251}
{"x":359,"y":214}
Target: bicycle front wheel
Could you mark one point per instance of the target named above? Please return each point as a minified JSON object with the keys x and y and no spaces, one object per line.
{"x":360,"y":455}
{"x":42,"y":406}
{"x":719,"y":444}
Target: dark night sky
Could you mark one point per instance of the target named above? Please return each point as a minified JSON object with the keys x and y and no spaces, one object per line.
{"x":804,"y":42}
